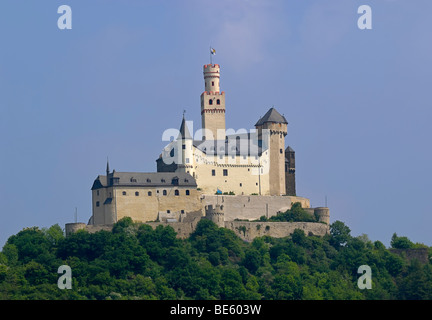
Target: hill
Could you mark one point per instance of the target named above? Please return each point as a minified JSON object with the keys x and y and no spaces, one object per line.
{"x":134,"y":261}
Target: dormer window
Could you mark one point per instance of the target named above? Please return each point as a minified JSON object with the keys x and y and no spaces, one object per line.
{"x":148,"y":180}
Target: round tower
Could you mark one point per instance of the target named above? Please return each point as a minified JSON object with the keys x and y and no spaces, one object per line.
{"x":323,"y":214}
{"x":215,"y":214}
{"x":211,"y":77}
{"x":212,"y":104}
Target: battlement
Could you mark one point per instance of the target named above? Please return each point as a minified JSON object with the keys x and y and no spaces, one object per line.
{"x":217,"y":93}
{"x":217,"y":209}
{"x":210,"y":67}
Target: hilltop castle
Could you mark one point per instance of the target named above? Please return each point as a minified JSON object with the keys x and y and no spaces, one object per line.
{"x":222,"y":174}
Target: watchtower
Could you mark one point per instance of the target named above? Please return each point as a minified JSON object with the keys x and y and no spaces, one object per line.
{"x":276,"y":124}
{"x":212,"y":105}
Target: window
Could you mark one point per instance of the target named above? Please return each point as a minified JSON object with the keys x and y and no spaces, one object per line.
{"x":218,"y":101}
{"x":133,"y":179}
{"x":280,"y":150}
{"x":210,"y":101}
{"x":149,"y":193}
{"x":148,"y":180}
{"x":187,"y":192}
{"x":137,"y":193}
{"x":212,"y":83}
{"x":97,"y":203}
{"x":164,"y":192}
{"x":186,"y":180}
{"x":168,"y":211}
{"x":182,"y":211}
{"x":176,"y":192}
{"x":175,"y":181}
{"x":241,"y":185}
{"x":97,"y":192}
{"x":187,"y":160}
{"x":184,"y":147}
{"x":162,"y":180}
{"x":213,"y":172}
{"x":225,"y":172}
{"x":124,"y":193}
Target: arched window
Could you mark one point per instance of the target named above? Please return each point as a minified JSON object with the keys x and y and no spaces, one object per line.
{"x":164,"y":192}
{"x":218,"y":101}
{"x":210,"y":101}
{"x":176,"y":192}
{"x":149,"y":193}
{"x":124,"y":193}
{"x":137,"y":193}
{"x":187,"y":192}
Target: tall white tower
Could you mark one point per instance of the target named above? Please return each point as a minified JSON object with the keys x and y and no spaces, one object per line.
{"x":212,"y":105}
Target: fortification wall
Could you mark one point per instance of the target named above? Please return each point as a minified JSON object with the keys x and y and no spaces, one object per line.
{"x":252,"y":207}
{"x":74,"y":227}
{"x":183,"y":229}
{"x":250,"y":230}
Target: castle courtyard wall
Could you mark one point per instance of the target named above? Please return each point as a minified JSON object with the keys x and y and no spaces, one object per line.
{"x":250,"y":230}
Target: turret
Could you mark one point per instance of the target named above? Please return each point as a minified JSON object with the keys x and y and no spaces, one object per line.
{"x":215,"y":214}
{"x":185,"y":146}
{"x":276,"y":124}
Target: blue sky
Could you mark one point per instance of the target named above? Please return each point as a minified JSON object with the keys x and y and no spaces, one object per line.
{"x":357,"y":101}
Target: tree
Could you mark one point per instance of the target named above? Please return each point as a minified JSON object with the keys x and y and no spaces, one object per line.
{"x":340,"y":234}
{"x":400,"y":242}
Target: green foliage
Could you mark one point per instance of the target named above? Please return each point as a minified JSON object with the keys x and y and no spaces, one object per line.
{"x":401,"y":242}
{"x":295,"y":214}
{"x":135,"y":261}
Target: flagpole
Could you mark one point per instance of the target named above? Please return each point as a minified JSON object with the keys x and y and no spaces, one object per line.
{"x":211,"y":60}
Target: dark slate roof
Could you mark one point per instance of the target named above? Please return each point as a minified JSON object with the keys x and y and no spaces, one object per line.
{"x":184,"y":131}
{"x":144,"y":179}
{"x":289,"y":149}
{"x":231,"y":146}
{"x":272,"y":116}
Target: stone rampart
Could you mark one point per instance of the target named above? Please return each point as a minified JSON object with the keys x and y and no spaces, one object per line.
{"x":250,"y":230}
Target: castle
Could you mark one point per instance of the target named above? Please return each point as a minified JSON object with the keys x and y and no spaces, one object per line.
{"x":230,"y":177}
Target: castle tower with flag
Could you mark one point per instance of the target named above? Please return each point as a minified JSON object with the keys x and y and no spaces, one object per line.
{"x":230,"y":161}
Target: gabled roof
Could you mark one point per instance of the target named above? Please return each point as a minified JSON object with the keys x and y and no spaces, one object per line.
{"x":272,"y":116}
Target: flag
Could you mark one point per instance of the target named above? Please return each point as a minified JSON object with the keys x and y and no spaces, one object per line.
{"x":218,"y":191}
{"x":212,"y":51}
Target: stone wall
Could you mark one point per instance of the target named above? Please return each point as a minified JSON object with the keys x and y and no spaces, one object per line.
{"x":420,"y":254}
{"x":253,"y":207}
{"x":246,"y":230}
{"x":250,"y":230}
